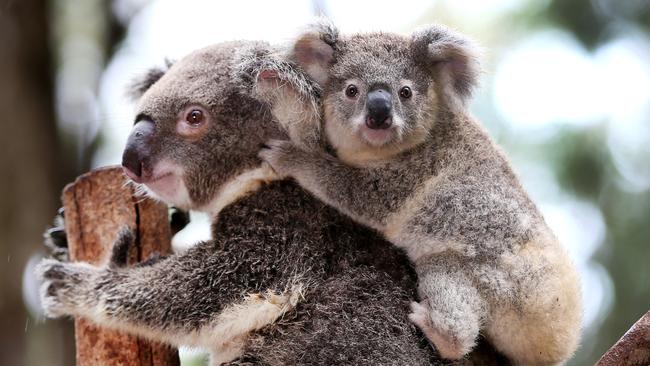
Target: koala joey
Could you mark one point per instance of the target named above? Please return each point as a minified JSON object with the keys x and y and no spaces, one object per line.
{"x":285,"y":280}
{"x":411,"y":163}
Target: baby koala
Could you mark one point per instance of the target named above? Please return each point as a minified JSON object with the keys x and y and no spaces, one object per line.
{"x":412,"y":163}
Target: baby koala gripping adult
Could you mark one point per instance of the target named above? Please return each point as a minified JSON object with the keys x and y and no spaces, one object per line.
{"x":403,"y":155}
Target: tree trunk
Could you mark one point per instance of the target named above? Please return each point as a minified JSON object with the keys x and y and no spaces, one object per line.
{"x":633,"y":349}
{"x":96,"y":206}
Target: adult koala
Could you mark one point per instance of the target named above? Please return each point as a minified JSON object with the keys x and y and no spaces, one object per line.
{"x":285,"y":281}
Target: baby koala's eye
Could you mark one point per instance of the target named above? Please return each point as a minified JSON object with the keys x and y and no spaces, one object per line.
{"x":351,"y":91}
{"x":405,"y":92}
{"x":194,"y":117}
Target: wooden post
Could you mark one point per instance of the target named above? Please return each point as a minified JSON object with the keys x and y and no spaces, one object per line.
{"x":97,"y":205}
{"x":633,"y":349}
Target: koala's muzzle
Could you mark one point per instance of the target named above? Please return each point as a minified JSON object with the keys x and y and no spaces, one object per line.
{"x":136,"y":158}
{"x":379,"y":106}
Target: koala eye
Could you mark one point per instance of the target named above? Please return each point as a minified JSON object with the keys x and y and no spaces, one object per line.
{"x":193,"y":122}
{"x":351,"y":91}
{"x":194,"y":117}
{"x":405,"y":92}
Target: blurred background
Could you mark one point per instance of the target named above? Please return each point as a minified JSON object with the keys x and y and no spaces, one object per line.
{"x":566,"y":93}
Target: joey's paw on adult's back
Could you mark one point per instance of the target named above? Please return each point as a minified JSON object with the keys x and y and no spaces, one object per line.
{"x":280,"y":155}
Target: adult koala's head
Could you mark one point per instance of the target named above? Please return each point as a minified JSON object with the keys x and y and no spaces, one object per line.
{"x":197,"y":130}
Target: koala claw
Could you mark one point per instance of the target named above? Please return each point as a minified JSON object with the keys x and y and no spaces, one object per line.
{"x":55,"y":238}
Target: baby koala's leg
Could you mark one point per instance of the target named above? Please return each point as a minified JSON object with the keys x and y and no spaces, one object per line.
{"x":450,"y":313}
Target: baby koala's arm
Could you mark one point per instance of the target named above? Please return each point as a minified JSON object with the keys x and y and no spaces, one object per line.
{"x":368,"y":195}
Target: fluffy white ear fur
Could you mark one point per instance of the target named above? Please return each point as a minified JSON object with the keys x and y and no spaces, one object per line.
{"x":313,"y":51}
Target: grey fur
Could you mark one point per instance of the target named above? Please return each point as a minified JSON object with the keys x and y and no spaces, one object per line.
{"x":354,"y":287}
{"x":281,"y":76}
{"x":441,"y":190}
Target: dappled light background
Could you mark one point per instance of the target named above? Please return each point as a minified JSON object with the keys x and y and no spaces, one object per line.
{"x":565,"y":92}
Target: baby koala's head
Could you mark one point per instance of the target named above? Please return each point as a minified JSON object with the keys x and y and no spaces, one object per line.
{"x":382,"y":91}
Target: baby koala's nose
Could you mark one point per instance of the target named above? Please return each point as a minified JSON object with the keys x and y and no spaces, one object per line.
{"x":379,"y":106}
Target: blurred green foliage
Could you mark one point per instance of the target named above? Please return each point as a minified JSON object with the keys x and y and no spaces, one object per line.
{"x":595,"y":21}
{"x":585,"y":167}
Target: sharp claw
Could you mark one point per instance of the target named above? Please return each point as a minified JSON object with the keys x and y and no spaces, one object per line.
{"x":57,"y":236}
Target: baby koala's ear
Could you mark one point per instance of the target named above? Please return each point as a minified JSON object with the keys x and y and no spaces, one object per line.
{"x":451,"y":57}
{"x":314,"y":49}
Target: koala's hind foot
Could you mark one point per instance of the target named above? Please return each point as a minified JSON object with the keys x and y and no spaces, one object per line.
{"x":447,"y":345}
{"x":451,"y":310}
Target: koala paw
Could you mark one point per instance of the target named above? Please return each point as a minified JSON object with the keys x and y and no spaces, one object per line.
{"x":280,"y":155}
{"x":447,"y":345}
{"x":62,"y":286}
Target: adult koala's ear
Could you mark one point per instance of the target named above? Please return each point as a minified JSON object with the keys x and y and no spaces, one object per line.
{"x":451,"y":57}
{"x":314,"y":49}
{"x":293,"y":97}
{"x":268,"y":76}
{"x":140,"y":84}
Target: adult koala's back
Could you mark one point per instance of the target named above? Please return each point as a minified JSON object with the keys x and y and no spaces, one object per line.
{"x":355,"y":309}
{"x":354,"y":306}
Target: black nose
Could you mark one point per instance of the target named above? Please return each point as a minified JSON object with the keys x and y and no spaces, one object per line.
{"x":379,"y":106}
{"x":137,"y":152}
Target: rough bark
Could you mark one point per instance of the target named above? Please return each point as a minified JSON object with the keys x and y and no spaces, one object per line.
{"x":97,"y":205}
{"x":633,"y":348}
